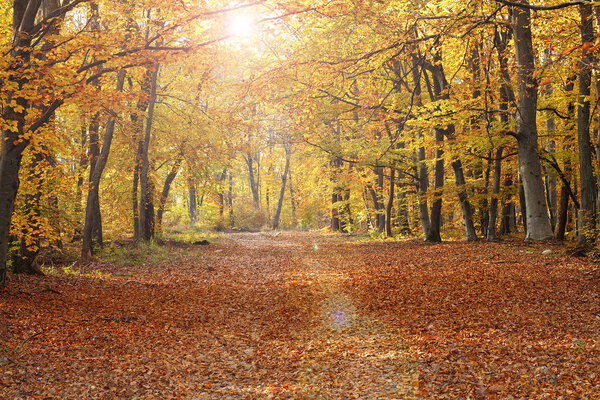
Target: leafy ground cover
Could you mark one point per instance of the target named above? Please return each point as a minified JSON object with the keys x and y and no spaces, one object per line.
{"x":307,"y":316}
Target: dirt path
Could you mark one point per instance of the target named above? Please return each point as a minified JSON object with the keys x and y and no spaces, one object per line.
{"x":306,"y":316}
{"x":260,"y":316}
{"x":346,"y":352}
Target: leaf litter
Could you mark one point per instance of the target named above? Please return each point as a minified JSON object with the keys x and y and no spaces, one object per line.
{"x":308,"y":316}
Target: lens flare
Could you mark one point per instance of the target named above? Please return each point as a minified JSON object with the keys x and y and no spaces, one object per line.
{"x":241,"y":26}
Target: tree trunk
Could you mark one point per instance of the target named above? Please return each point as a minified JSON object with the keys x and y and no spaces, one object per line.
{"x":493,"y":211}
{"x":134,"y":193}
{"x":403,"y":220}
{"x":377,"y":196}
{"x":253,"y":181}
{"x":538,"y":223}
{"x":434,"y":232}
{"x":192,"y":206}
{"x":83,"y":164}
{"x":390,"y":204}
{"x":563,"y":210}
{"x":587,"y":180}
{"x":292,"y":199}
{"x":230,"y":199}
{"x":146,"y":201}
{"x":24,"y":259}
{"x":165,"y":191}
{"x":92,"y":219}
{"x":420,"y":169}
{"x":288,"y":154}
{"x":467,"y":209}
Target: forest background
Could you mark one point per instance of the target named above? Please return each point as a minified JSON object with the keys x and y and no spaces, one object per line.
{"x":441,"y":119}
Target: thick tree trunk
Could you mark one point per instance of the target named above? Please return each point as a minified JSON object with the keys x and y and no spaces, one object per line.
{"x":24,"y":260}
{"x":10,"y":163}
{"x":538,"y":223}
{"x":14,"y":140}
{"x":276,"y":218}
{"x":587,"y":180}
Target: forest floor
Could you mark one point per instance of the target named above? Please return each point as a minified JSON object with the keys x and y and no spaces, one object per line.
{"x":308,"y":316}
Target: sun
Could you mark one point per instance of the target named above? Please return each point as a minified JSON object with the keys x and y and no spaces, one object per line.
{"x":241,"y":25}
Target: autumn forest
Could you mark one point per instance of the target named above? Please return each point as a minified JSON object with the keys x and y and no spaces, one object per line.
{"x":328,"y":199}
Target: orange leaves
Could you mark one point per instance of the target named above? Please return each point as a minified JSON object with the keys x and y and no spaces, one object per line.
{"x":430,"y":321}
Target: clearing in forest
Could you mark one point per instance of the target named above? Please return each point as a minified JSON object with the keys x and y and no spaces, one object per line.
{"x":308,"y":316}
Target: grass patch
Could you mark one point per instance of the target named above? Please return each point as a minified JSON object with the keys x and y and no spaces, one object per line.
{"x":193,"y":235}
{"x":134,"y":254}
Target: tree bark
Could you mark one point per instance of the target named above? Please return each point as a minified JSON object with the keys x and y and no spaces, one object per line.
{"x":587,"y":180}
{"x":193,"y":201}
{"x":434,"y":232}
{"x":165,"y":191}
{"x":421,"y":170}
{"x":538,"y":222}
{"x":253,"y":180}
{"x":493,"y":211}
{"x":390,"y":204}
{"x":230,"y":199}
{"x":14,"y":140}
{"x":276,"y":218}
{"x":146,"y":209}
{"x":92,"y":219}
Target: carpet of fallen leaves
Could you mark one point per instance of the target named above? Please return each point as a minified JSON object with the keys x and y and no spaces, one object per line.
{"x":308,"y":316}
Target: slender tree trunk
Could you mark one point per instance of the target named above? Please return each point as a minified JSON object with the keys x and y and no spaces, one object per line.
{"x":134,"y":193}
{"x":434,"y":232}
{"x":92,"y":221}
{"x":377,"y":196}
{"x":83,"y":164}
{"x":253,"y":181}
{"x":146,"y":209}
{"x":563,"y":209}
{"x":507,"y":207}
{"x":165,"y":192}
{"x":390,"y":204}
{"x":403,"y":211}
{"x":493,"y":211}
{"x":467,"y":209}
{"x":292,"y":199}
{"x":421,"y":171}
{"x":230,"y":199}
{"x":276,"y":218}
{"x":523,"y":204}
{"x":221,"y":194}
{"x":192,"y":206}
{"x":538,"y":223}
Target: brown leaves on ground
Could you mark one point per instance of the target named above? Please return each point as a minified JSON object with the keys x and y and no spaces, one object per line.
{"x":303,"y":316}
